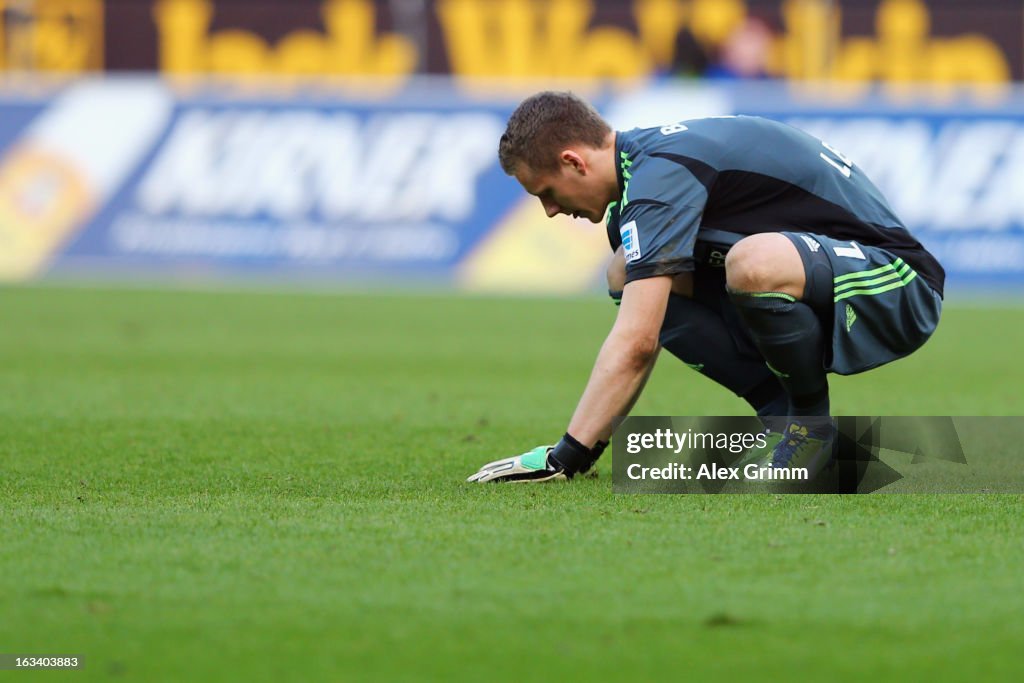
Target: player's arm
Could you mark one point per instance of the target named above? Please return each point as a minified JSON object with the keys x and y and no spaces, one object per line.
{"x":620,"y":372}
{"x":662,"y":219}
{"x":624,"y":362}
{"x":616,"y":275}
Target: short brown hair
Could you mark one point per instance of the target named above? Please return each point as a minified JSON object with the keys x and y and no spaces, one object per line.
{"x":545,"y":121}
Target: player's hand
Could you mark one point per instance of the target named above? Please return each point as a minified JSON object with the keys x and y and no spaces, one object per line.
{"x":531,"y":466}
{"x":544,"y":463}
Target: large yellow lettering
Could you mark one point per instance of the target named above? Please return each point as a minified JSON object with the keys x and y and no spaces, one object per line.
{"x":805,"y":49}
{"x":350,"y":44}
{"x":712,"y":21}
{"x":658,"y":23}
{"x":355,"y":47}
{"x":182,"y":27}
{"x":52,"y":35}
{"x":902,"y":52}
{"x":525,"y":39}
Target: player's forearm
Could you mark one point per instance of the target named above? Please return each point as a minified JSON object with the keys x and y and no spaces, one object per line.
{"x":636,"y":394}
{"x":619,"y":375}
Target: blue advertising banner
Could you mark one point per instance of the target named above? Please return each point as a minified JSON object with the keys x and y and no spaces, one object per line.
{"x":137,"y":178}
{"x":129,"y":178}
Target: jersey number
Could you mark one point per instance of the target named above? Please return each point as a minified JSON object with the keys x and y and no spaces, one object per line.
{"x":852,"y":251}
{"x":843,"y":165}
{"x":673,"y":128}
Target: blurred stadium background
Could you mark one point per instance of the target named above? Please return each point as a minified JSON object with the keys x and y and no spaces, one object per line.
{"x":353,"y":141}
{"x":244,"y":481}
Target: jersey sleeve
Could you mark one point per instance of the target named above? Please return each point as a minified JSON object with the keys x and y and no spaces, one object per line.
{"x":659,"y":217}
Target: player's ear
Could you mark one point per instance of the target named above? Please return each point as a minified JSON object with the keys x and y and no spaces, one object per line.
{"x":573,"y":160}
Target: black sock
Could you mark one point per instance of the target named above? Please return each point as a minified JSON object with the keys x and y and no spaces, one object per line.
{"x":769,"y":399}
{"x":700,"y":337}
{"x":788,"y":334}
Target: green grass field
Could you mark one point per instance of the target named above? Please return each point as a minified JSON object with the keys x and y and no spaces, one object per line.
{"x":246,"y":486}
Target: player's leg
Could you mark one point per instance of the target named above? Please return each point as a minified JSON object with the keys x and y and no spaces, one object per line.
{"x":700,"y":337}
{"x":773,"y":288}
{"x":696,"y":333}
{"x":768,"y":283}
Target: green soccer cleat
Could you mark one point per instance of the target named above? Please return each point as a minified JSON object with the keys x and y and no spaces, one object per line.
{"x":806,"y":443}
{"x":757,"y":455}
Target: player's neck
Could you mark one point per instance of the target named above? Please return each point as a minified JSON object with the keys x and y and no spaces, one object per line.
{"x":605,"y":166}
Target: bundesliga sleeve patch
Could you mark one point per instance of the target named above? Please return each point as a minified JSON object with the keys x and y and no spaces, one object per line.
{"x":630,"y":241}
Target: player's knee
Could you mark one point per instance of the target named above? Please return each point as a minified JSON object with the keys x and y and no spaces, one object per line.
{"x":747,"y":265}
{"x":760,"y":263}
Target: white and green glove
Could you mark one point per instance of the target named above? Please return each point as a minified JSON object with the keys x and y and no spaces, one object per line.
{"x":530,"y":466}
{"x":544,"y":463}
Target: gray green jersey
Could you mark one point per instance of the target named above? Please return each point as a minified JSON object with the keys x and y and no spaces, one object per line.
{"x":745,"y":175}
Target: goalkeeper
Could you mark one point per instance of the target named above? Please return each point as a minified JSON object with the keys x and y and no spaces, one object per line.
{"x":755,"y":253}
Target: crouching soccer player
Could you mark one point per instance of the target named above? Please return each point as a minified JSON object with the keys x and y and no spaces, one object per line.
{"x":753,"y":252}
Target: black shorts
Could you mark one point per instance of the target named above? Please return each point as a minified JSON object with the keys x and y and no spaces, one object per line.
{"x":875,"y":304}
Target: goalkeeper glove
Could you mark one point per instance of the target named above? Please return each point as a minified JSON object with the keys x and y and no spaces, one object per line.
{"x":544,"y":463}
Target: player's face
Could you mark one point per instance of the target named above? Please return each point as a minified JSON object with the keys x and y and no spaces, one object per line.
{"x":566,"y":190}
